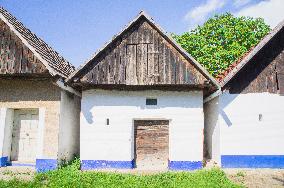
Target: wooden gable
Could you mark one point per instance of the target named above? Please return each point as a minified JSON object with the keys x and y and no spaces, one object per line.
{"x":141,"y":55}
{"x":15,"y":57}
{"x":264,"y":72}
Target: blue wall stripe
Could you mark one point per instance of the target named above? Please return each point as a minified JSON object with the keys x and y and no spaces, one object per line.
{"x":44,"y":165}
{"x":20,"y":164}
{"x":252,"y":161}
{"x":3,"y":161}
{"x":97,"y":164}
{"x":185,"y":165}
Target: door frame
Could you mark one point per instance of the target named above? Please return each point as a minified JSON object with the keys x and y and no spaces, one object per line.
{"x":133,"y":148}
{"x":8,"y":130}
{"x":29,"y":150}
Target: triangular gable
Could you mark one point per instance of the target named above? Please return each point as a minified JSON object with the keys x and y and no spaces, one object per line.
{"x":142,"y":54}
{"x":248,"y":57}
{"x":15,"y":57}
{"x":34,"y":51}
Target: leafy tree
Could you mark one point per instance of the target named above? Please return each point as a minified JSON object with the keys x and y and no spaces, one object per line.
{"x":222,"y":40}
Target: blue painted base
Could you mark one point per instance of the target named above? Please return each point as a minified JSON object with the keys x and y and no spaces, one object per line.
{"x":185,"y":165}
{"x":252,"y":161}
{"x":44,"y":165}
{"x":97,"y":164}
{"x":3,"y":161}
{"x":20,"y":164}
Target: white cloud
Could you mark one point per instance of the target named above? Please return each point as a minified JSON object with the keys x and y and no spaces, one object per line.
{"x":270,"y":10}
{"x":198,"y":15}
{"x":240,"y":3}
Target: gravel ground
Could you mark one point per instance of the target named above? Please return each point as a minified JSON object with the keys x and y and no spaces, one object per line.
{"x":25,"y":173}
{"x":257,"y":178}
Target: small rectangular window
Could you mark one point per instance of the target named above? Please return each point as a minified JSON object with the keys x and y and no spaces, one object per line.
{"x":107,"y":121}
{"x":151,"y":102}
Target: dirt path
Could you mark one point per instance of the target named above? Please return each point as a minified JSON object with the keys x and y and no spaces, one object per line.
{"x":257,"y":178}
{"x":25,"y":173}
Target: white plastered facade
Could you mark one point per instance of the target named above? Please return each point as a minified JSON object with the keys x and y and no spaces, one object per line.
{"x":115,"y":142}
{"x":246,"y":124}
{"x":251,"y":124}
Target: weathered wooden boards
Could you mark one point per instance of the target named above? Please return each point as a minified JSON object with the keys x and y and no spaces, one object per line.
{"x":141,"y":56}
{"x":151,"y":143}
{"x":55,"y":63}
{"x":264,"y":72}
{"x":16,"y":57}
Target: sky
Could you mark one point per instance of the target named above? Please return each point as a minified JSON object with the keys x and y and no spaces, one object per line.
{"x":77,"y":29}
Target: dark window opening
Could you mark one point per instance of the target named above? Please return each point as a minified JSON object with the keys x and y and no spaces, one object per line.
{"x":151,"y":102}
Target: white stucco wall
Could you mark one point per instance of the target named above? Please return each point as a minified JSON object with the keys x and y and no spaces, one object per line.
{"x":212,"y":130}
{"x":8,"y":133}
{"x":241,"y":131}
{"x":115,"y":142}
{"x":69,"y":128}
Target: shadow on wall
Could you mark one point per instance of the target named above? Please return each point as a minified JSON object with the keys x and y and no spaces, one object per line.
{"x":226,"y":100}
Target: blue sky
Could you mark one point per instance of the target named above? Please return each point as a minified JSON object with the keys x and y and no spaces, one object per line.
{"x":76,"y":29}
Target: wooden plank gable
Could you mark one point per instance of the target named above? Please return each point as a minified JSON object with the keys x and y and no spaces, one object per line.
{"x":264,"y":72}
{"x":15,"y":57}
{"x":141,"y":56}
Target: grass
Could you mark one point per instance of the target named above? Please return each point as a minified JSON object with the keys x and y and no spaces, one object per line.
{"x":71,"y":176}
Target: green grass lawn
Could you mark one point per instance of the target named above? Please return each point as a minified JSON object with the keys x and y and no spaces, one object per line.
{"x":70,"y":176}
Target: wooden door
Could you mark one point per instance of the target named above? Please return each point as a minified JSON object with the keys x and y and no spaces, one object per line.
{"x":24,"y":136}
{"x":151,"y":144}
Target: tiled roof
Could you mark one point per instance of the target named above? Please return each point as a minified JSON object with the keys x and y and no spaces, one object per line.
{"x":55,"y":63}
{"x":223,"y":74}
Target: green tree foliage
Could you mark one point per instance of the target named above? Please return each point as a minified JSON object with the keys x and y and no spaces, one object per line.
{"x":222,"y":40}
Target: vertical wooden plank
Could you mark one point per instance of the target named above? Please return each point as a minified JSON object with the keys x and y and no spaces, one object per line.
{"x":131,"y":78}
{"x":167,"y":66}
{"x":161,"y":61}
{"x":173,"y":68}
{"x":144,"y":63}
{"x":17,"y":56}
{"x":100,"y":71}
{"x":12,"y":62}
{"x":134,"y":36}
{"x":117,"y":64}
{"x":123,"y":73}
{"x":24,"y":60}
{"x":178,"y":74}
{"x":112,"y":67}
{"x":184,"y":81}
{"x":151,"y":64}
{"x":139,"y":65}
{"x":107,"y":68}
{"x":156,"y":58}
{"x":146,"y":33}
{"x":141,"y":35}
